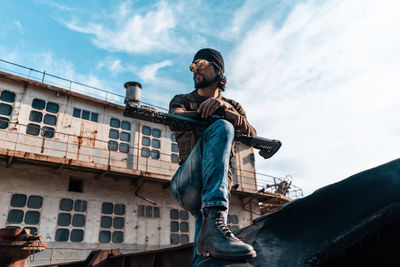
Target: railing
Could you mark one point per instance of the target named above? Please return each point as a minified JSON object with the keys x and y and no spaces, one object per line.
{"x":265,"y":182}
{"x":65,"y":146}
{"x":44,"y":77}
{"x":273,"y":184}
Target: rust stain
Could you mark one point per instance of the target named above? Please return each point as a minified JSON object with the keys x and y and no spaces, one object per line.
{"x":79,"y":146}
{"x":43,"y":142}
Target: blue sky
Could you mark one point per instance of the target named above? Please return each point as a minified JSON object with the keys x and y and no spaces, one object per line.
{"x":322,"y":76}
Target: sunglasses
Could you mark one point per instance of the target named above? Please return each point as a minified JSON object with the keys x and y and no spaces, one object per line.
{"x":201,"y":65}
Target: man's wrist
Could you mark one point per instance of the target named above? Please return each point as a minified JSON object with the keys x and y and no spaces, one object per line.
{"x":228,"y":106}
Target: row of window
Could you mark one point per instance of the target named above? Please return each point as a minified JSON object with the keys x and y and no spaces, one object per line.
{"x":86,"y":115}
{"x":26,"y":211}
{"x":179,"y":227}
{"x":148,"y":211}
{"x":119,"y":135}
{"x":112,"y":223}
{"x":71,"y":219}
{"x":43,"y":119}
{"x":151,"y":144}
{"x":6,"y":98}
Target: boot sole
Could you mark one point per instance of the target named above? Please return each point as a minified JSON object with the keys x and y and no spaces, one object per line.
{"x":251,"y":254}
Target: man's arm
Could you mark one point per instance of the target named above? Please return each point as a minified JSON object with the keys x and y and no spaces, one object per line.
{"x":177,"y":106}
{"x":238,"y":115}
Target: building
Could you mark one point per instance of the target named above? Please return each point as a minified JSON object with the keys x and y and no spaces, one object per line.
{"x":77,"y":172}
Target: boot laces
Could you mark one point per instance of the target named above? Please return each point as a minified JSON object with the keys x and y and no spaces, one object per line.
{"x":221,"y":224}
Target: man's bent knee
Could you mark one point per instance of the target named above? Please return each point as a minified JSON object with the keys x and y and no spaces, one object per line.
{"x":222,"y":127}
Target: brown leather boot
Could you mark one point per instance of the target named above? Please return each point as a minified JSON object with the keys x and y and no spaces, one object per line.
{"x":217,"y":240}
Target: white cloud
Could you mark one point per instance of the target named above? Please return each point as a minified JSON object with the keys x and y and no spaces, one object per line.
{"x":135,"y":33}
{"x":111,"y":64}
{"x":57,"y":6}
{"x":326,"y":83}
{"x":148,"y":73}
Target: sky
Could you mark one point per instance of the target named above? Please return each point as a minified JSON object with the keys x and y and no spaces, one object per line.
{"x":321,"y":76}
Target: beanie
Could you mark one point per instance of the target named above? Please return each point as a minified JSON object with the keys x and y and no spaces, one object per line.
{"x":212,"y":56}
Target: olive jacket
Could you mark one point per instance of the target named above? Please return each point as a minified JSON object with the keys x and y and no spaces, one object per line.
{"x":188,"y":139}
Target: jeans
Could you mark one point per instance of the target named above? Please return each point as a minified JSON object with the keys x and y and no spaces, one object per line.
{"x":202,"y":180}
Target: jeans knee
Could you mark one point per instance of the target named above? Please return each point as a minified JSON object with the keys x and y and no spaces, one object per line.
{"x":225,"y":127}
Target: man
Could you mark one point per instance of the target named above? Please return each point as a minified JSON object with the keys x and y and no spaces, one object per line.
{"x":202,"y":182}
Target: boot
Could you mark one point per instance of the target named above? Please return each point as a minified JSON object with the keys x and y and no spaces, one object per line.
{"x":217,"y":240}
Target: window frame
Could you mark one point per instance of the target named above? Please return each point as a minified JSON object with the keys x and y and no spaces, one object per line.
{"x":26,"y":212}
{"x":182,"y":218}
{"x":76,"y":204}
{"x":112,"y":230}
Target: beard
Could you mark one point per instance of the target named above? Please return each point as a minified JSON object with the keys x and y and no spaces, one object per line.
{"x":202,"y":83}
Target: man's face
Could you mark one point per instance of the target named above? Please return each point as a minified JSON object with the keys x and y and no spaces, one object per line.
{"x":203,"y":75}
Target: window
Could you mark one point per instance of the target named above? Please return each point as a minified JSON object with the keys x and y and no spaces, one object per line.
{"x":50,"y":119}
{"x":94,"y":117}
{"x":7,"y":99}
{"x":145,"y":152}
{"x":38,"y":104}
{"x":71,"y":220}
{"x":33,"y":129}
{"x":125,"y":125}
{"x":112,"y":223}
{"x":86,"y":115}
{"x":150,"y":140}
{"x":179,"y":227}
{"x":25,"y":212}
{"x":47,"y":132}
{"x":5,"y":109}
{"x":35,"y":116}
{"x":112,"y":145}
{"x":76,"y":113}
{"x":123,"y":147}
{"x":174,"y":147}
{"x":149,"y":211}
{"x":52,"y":107}
{"x":174,"y":150}
{"x":233,"y":223}
{"x":116,"y":134}
{"x":146,"y":130}
{"x":7,"y":96}
{"x":4,"y":122}
{"x":43,"y":116}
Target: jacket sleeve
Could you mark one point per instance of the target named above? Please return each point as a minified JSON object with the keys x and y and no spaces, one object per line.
{"x":177,"y":105}
{"x":239,"y":109}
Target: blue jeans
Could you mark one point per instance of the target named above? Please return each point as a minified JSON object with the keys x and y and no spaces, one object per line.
{"x":202,"y":180}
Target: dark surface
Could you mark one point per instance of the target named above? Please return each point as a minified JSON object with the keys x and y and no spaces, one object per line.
{"x":347,"y":223}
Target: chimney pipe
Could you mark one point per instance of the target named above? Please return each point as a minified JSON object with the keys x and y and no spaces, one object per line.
{"x":132,"y":95}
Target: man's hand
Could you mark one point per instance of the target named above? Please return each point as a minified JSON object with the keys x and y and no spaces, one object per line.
{"x":239,"y":122}
{"x":208,"y":107}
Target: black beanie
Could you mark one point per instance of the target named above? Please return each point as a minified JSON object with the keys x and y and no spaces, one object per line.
{"x":211,"y":55}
